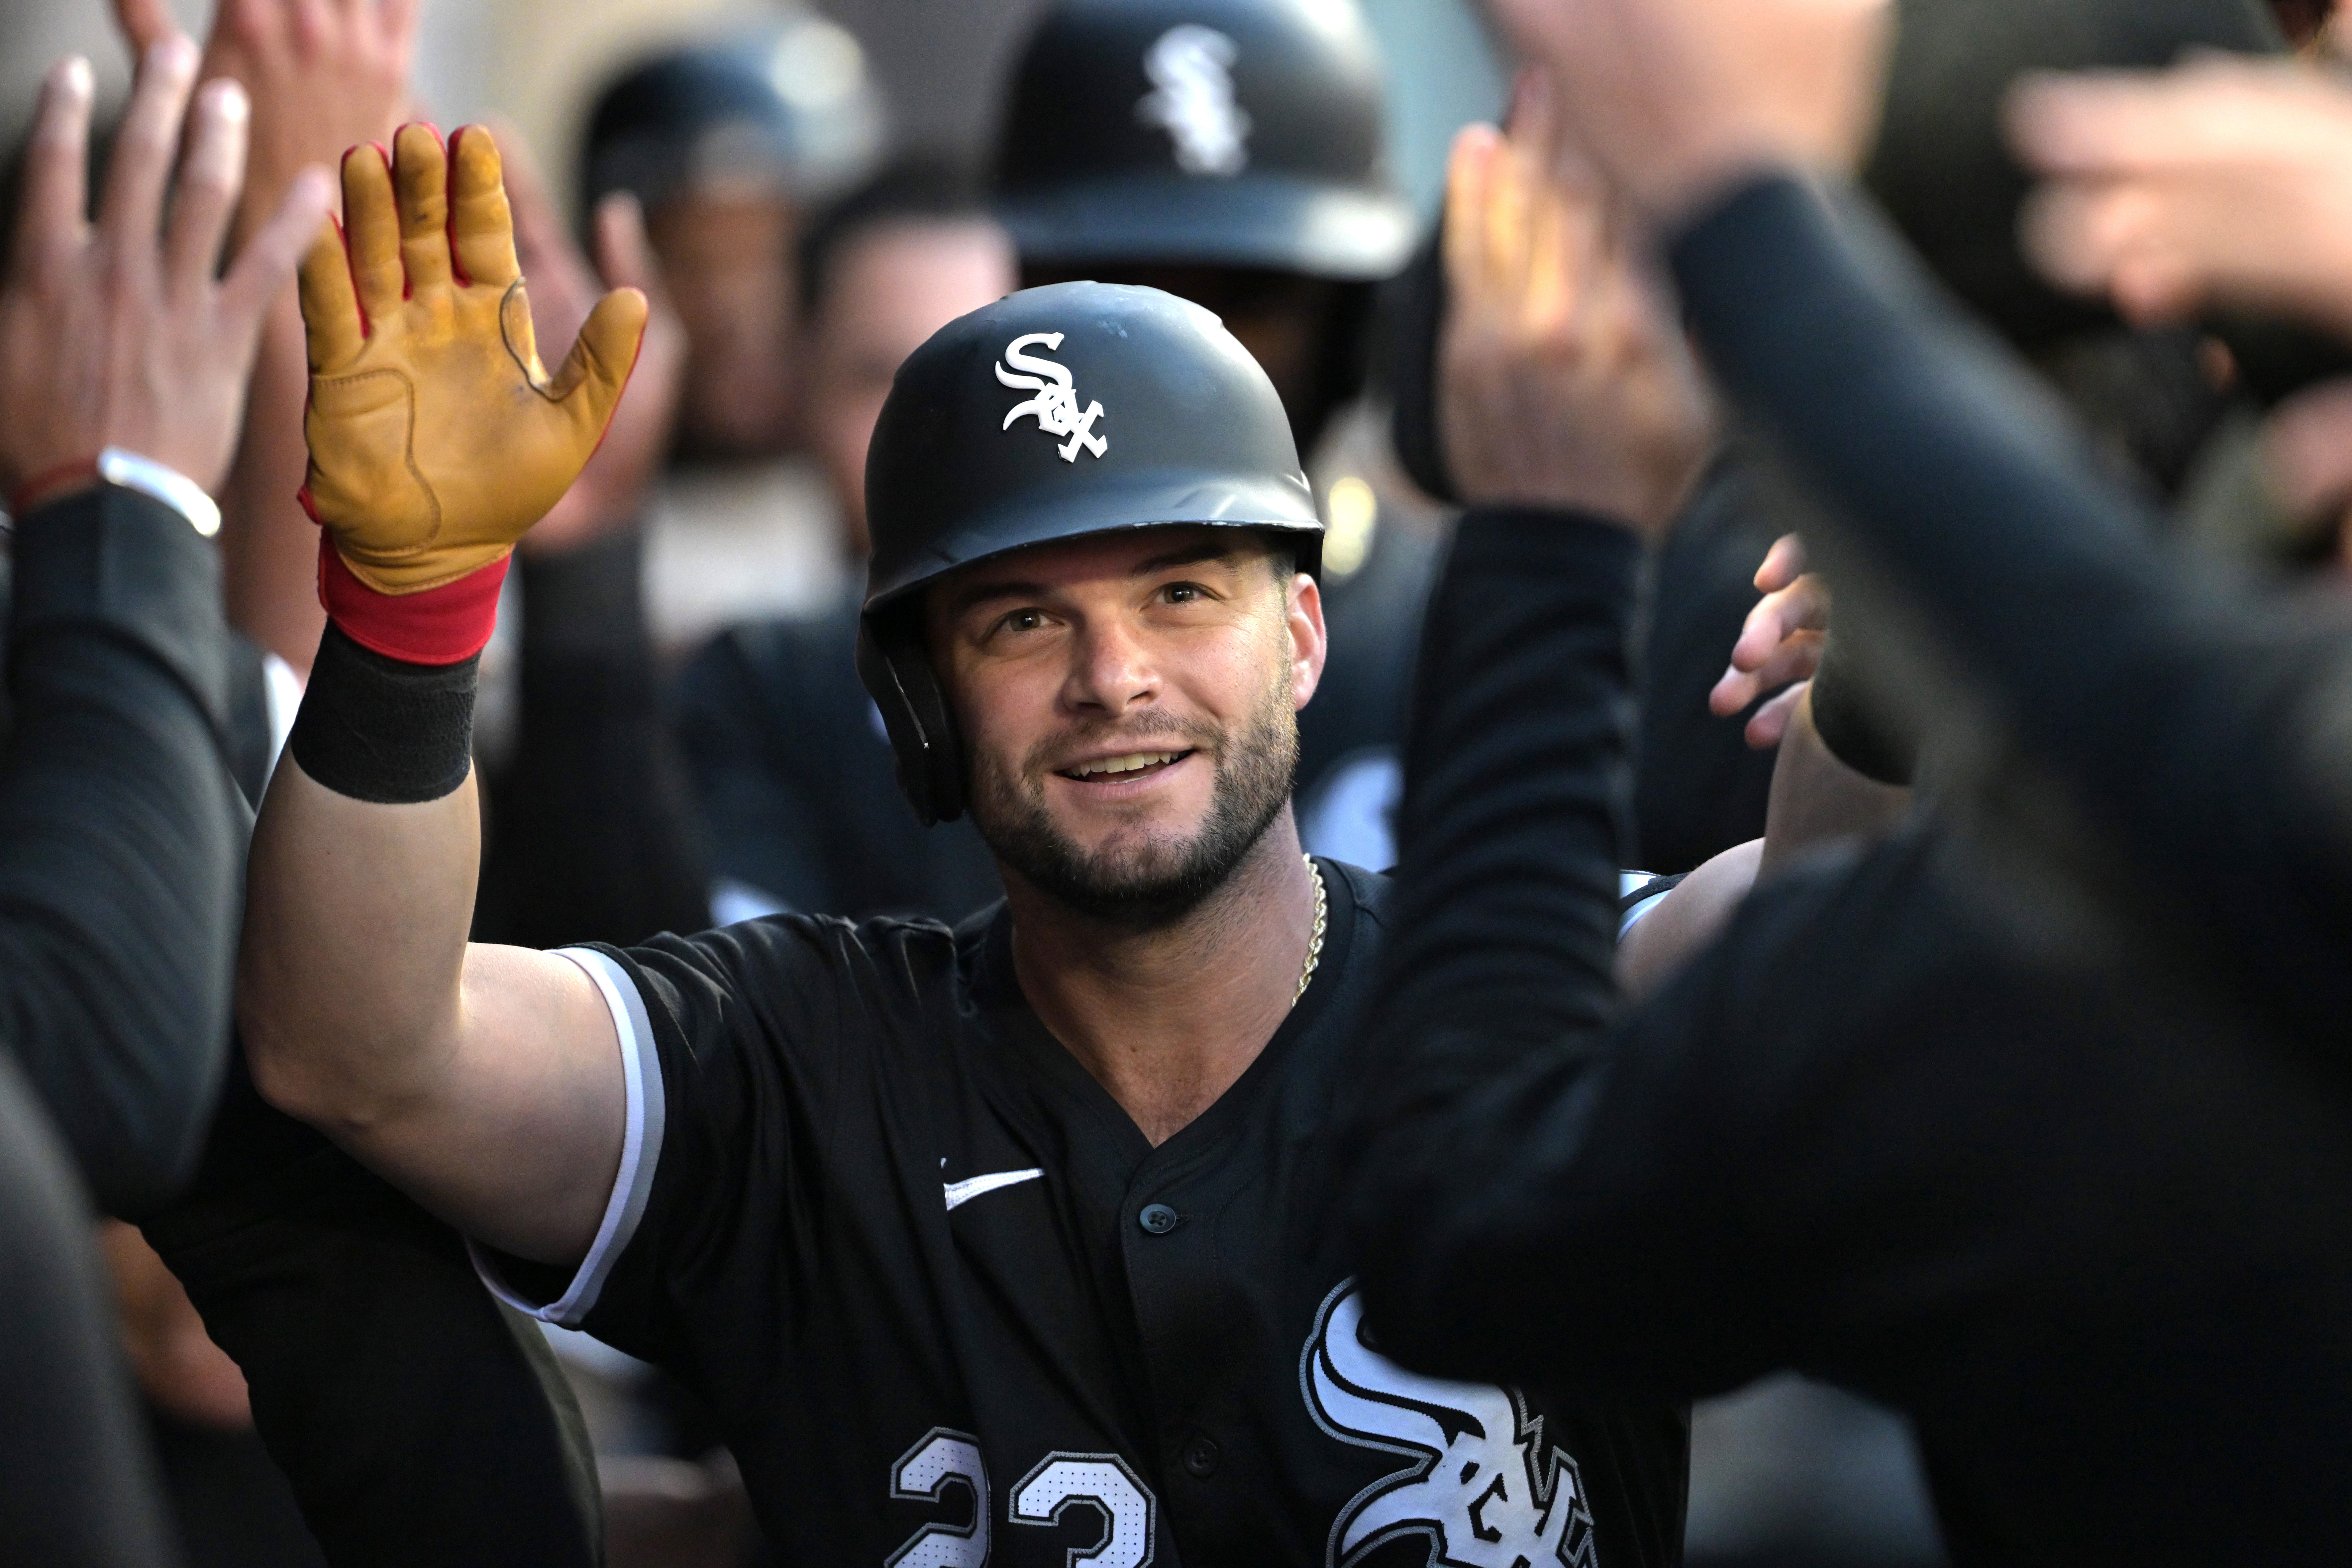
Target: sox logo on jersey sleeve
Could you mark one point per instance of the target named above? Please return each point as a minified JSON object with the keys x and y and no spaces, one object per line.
{"x":1482,"y":1486}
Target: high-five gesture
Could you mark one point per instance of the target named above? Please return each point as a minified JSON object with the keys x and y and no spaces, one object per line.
{"x":436,"y":435}
{"x":322,"y":74}
{"x":122,"y":332}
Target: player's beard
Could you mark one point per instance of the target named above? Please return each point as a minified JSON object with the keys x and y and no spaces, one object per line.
{"x":1150,"y":881}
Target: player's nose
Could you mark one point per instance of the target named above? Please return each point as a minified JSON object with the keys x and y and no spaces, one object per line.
{"x":1111,"y":670}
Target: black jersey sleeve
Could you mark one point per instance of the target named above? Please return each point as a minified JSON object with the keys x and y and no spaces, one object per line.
{"x":747,"y":1051}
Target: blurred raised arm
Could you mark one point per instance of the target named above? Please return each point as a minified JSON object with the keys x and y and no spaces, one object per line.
{"x":123,"y":359}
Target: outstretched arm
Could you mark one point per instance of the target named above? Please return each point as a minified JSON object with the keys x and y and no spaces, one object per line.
{"x":486,"y":1081}
{"x":122,"y":827}
{"x":1578,"y":426}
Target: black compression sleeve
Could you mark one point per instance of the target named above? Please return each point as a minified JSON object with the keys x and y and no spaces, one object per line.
{"x":1504,"y":917}
{"x":121,"y":836}
{"x":382,"y":729}
{"x":1514,"y":821}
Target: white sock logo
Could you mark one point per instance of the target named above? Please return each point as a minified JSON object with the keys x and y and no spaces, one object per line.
{"x":1056,"y":406}
{"x":1191,"y":68}
{"x":1483,"y":1487}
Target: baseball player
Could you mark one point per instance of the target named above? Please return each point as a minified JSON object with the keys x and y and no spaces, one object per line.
{"x":1233,"y":152}
{"x":993,"y":1244}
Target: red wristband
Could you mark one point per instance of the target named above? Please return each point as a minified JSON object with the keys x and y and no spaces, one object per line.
{"x":446,"y":624}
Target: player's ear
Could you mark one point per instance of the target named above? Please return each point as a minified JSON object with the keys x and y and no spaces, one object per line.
{"x":1310,"y":642}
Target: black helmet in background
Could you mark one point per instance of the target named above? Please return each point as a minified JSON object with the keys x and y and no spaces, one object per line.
{"x":1231,"y":152}
{"x":789,"y":106}
{"x":1223,"y":132}
{"x":1056,"y":413}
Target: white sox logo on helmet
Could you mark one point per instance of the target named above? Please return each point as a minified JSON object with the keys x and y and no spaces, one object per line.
{"x":1056,"y":406}
{"x":1482,"y":1486}
{"x":1191,"y":72}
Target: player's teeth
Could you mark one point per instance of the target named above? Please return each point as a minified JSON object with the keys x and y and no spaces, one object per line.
{"x":1127,"y":764}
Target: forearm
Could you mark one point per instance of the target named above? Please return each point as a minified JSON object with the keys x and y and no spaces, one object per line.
{"x":1817,"y":800}
{"x":354,"y":947}
{"x":125,"y":833}
{"x":1510,"y":836}
{"x":1512,"y":831}
{"x":354,"y":1314}
{"x":484,"y":1081}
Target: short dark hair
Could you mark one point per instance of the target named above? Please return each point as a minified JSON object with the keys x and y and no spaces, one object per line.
{"x":912,"y":190}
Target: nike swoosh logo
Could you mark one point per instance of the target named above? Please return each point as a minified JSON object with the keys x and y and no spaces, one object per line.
{"x":964,"y":1192}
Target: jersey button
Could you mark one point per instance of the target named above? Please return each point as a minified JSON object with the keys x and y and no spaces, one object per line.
{"x":1201,"y":1456}
{"x":1158,"y":1219}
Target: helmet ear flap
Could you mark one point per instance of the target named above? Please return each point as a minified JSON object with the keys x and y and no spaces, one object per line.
{"x":896,"y":671}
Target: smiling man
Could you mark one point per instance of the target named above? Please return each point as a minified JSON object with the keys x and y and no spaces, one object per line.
{"x":999,"y":1244}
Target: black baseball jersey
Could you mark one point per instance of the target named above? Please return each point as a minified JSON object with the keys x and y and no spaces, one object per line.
{"x":952,"y":1308}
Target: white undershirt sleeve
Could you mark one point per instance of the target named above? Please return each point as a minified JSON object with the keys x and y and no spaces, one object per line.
{"x":640,"y":1153}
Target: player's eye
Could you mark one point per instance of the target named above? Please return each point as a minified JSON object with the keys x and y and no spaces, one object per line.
{"x":1019,"y":621}
{"x":1183,"y":594}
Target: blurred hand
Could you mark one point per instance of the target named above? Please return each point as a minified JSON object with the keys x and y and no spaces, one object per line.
{"x":322,"y":75}
{"x":611,"y":492}
{"x":1781,"y":643}
{"x":1676,"y":99}
{"x":2307,"y":454}
{"x":121,"y":333}
{"x":1563,"y":381}
{"x":164,"y":1339}
{"x":2223,"y":182}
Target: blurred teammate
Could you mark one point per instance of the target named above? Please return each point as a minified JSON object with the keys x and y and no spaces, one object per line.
{"x":988,"y":1245}
{"x":731,"y":145}
{"x":791,"y":765}
{"x":2023,"y":1122}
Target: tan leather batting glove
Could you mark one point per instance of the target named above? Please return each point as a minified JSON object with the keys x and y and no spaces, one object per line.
{"x":436,"y":436}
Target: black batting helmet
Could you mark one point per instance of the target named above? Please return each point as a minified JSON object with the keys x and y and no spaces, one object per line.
{"x":1076,"y":409}
{"x":1218,"y":133}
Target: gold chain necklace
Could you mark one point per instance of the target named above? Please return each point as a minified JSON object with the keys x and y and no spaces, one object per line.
{"x":1314,"y":944}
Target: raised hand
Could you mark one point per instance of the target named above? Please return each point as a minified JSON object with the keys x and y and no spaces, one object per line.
{"x":436,"y":436}
{"x":1781,"y":643}
{"x":322,"y":75}
{"x":1674,"y":100}
{"x":124,"y":334}
{"x":2223,"y":182}
{"x":611,"y":491}
{"x":1563,"y":381}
